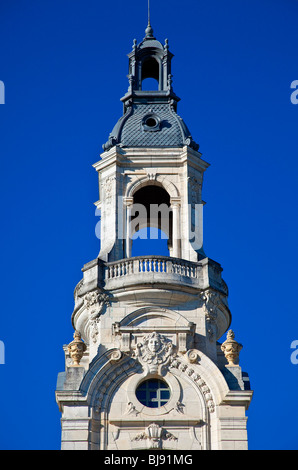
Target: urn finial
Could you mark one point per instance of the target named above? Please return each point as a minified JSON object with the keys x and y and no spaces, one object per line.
{"x":76,"y":348}
{"x":231,"y":349}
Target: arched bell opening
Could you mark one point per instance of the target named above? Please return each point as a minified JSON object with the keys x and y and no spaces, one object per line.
{"x":150,"y":241}
{"x":150,"y":222}
{"x":150,"y":84}
{"x":150,"y":74}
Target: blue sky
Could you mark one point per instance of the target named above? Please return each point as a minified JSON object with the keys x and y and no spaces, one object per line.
{"x":64,"y":67}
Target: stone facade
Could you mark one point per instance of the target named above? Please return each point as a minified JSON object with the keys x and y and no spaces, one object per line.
{"x":145,"y":369}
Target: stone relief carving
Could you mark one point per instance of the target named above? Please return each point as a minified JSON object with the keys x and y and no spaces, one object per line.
{"x":116,"y":355}
{"x":154,"y":435}
{"x":152,"y":176}
{"x":121,"y":369}
{"x":193,"y":356}
{"x":77,"y":289}
{"x":131,"y":409}
{"x":95,"y":302}
{"x":178,"y":364}
{"x":107,"y":189}
{"x":154,"y":352}
{"x":211,"y":302}
{"x":194,"y":189}
{"x":179,"y":407}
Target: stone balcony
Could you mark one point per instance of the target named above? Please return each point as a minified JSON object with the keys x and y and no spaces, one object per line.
{"x":161,"y":270}
{"x":153,"y":282}
{"x":152,"y":270}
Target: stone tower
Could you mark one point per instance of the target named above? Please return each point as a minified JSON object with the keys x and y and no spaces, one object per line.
{"x":145,"y":369}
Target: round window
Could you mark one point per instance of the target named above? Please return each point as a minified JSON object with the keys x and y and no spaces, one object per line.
{"x":153,"y":393}
{"x":151,"y":122}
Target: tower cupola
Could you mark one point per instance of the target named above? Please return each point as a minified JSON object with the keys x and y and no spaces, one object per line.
{"x":150,"y":116}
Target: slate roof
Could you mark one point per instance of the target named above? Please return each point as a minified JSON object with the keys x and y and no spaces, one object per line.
{"x":131,"y":132}
{"x":134,"y":135}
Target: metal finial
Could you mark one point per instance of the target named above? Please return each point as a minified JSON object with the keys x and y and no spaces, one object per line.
{"x":149,"y":30}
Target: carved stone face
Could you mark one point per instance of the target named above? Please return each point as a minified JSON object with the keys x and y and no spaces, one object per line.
{"x":154,"y":344}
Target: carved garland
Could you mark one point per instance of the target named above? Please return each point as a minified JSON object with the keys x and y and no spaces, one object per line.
{"x":180,"y":365}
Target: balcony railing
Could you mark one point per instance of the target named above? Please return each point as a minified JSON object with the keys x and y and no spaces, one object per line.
{"x":158,"y":266}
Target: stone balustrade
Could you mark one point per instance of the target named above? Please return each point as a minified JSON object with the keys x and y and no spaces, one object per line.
{"x":150,"y":268}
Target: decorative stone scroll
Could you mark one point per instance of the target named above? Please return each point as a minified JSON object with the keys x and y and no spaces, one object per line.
{"x":193,"y":356}
{"x":116,"y":356}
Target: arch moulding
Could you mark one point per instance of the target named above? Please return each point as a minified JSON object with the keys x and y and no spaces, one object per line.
{"x":152,"y":180}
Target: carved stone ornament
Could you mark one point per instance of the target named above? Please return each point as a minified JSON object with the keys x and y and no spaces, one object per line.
{"x":76,"y":348}
{"x":107,"y":186}
{"x":95,"y":302}
{"x":193,"y":356}
{"x":131,"y":409}
{"x":113,"y":373}
{"x":154,"y":435}
{"x":154,"y":352}
{"x":194,"y":189}
{"x":179,"y":364}
{"x":116,"y":356}
{"x":211,"y":304}
{"x":179,"y":407}
{"x":231,"y":349}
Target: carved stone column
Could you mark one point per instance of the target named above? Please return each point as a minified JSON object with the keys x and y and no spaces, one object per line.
{"x":128,"y":201}
{"x":176,"y":234}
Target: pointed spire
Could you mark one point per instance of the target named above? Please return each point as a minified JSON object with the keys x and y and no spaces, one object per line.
{"x":149,"y":30}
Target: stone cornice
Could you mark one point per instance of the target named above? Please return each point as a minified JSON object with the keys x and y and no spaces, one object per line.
{"x":238,"y":398}
{"x":154,"y":156}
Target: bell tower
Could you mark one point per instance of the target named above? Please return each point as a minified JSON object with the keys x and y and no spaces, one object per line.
{"x":145,"y":369}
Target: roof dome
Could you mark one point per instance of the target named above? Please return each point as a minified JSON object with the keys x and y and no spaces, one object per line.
{"x":153,"y":125}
